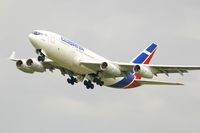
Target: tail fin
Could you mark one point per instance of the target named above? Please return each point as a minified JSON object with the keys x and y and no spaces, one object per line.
{"x":146,"y":55}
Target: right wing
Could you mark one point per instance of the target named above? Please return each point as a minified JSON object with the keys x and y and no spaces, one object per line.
{"x":37,"y":66}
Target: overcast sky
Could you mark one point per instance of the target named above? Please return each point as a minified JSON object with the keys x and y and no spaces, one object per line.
{"x":117,"y":30}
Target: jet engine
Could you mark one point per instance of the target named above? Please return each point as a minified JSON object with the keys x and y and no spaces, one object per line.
{"x":35,"y":65}
{"x":21,"y":65}
{"x":110,"y":69}
{"x":143,"y":71}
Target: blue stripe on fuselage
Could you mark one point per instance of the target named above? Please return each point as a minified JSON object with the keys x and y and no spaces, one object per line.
{"x":124,"y":82}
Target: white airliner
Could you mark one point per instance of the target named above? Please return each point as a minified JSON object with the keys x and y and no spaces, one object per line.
{"x":57,"y":52}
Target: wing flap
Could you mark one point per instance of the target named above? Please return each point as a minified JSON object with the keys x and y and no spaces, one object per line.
{"x":95,"y":66}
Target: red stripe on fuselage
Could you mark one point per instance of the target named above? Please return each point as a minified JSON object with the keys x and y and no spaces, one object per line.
{"x":134,"y":83}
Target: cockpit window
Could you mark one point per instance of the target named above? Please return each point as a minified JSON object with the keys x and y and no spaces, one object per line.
{"x":37,"y":33}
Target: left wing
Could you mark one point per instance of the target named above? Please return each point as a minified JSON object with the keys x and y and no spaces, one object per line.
{"x":159,"y":69}
{"x":155,"y":69}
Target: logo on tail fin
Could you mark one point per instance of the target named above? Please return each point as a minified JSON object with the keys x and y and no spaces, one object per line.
{"x":146,"y":55}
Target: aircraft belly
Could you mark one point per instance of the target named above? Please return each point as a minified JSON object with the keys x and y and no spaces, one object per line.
{"x":122,"y":82}
{"x":111,"y":81}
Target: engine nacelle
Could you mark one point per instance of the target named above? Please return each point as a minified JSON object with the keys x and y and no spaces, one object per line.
{"x":110,"y":69}
{"x":143,"y":71}
{"x":35,"y":65}
{"x":21,"y":65}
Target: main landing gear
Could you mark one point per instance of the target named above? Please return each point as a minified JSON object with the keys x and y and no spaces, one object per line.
{"x":72,"y":80}
{"x":98,"y":81}
{"x":88,"y":84}
{"x":41,"y":56}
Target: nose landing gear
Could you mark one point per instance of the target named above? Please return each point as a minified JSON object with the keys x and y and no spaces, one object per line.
{"x":41,"y":56}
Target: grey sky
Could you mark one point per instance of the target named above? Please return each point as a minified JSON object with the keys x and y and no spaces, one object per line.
{"x":117,"y":30}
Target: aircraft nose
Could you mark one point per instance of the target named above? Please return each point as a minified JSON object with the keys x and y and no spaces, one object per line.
{"x":30,"y":37}
{"x":33,"y":40}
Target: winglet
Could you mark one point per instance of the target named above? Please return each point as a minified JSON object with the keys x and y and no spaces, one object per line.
{"x":12,"y":56}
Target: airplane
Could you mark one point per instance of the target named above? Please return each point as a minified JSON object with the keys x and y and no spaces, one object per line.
{"x":82,"y":65}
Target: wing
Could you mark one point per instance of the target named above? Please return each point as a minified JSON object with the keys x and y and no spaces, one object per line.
{"x":156,"y":69}
{"x":159,"y":69}
{"x":38,"y":66}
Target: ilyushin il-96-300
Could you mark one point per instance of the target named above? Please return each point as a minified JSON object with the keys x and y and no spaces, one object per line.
{"x":82,"y":65}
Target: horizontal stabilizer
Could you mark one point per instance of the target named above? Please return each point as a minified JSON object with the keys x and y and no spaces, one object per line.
{"x":153,"y":82}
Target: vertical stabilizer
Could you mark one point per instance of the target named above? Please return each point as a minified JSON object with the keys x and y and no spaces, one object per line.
{"x":146,"y":55}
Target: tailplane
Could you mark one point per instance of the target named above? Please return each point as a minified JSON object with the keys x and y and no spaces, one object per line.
{"x":154,"y":82}
{"x":146,"y":55}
